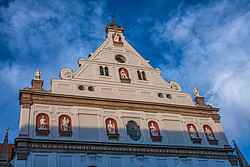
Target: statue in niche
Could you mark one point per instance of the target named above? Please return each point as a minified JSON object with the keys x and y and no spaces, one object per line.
{"x":209,"y":134}
{"x":153,"y":130}
{"x":123,"y":74}
{"x":43,"y":124}
{"x":37,"y":75}
{"x":196,"y":92}
{"x":193,"y":132}
{"x":111,"y":128}
{"x":65,"y":124}
{"x":117,"y":38}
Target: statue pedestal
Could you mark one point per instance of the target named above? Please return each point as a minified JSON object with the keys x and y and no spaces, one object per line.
{"x":123,"y":80}
{"x":212,"y":142}
{"x":156,"y":138}
{"x":118,"y":44}
{"x":196,"y":141}
{"x":41,"y":132}
{"x":113,"y":136}
{"x":65,"y":133}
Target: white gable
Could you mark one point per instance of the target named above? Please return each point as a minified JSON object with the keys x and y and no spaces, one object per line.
{"x":150,"y":87}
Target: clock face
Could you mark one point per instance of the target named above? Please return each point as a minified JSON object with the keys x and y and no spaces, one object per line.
{"x":120,"y":58}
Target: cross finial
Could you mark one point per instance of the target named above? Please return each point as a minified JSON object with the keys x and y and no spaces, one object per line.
{"x":112,"y":16}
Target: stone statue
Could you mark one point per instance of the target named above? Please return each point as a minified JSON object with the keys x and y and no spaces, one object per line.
{"x":153,"y":130}
{"x":117,"y":38}
{"x":37,"y":75}
{"x":209,"y":134}
{"x":111,"y":128}
{"x":196,"y":92}
{"x":65,"y":124}
{"x":123,"y":74}
{"x":193,"y":132}
{"x":43,"y":124}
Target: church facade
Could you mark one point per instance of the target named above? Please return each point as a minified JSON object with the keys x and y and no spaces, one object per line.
{"x":116,"y":110}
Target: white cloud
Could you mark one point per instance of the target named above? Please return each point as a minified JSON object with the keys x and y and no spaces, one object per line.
{"x":214,"y":42}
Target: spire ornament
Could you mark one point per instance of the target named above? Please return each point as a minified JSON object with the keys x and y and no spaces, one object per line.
{"x":242,"y":161}
{"x":112,"y":17}
{"x":196,"y":92}
{"x":37,"y":75}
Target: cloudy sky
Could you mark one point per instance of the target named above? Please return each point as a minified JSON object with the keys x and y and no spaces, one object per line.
{"x":195,"y":43}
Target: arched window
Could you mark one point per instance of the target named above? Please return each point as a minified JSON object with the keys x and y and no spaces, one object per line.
{"x":143,"y":75}
{"x":65,"y":126}
{"x":42,"y":124}
{"x":101,"y":70}
{"x":133,"y":130}
{"x":106,"y":71}
{"x":139,"y":75}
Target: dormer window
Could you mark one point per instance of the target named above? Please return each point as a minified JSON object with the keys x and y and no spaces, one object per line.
{"x":141,"y":75}
{"x":104,"y":71}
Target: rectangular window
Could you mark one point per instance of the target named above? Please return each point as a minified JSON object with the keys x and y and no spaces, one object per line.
{"x":116,"y":162}
{"x":162,"y":162}
{"x":203,"y":163}
{"x":65,"y":161}
{"x":41,"y":161}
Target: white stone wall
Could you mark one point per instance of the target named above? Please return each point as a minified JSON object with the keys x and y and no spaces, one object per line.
{"x":104,"y":160}
{"x":88,"y":124}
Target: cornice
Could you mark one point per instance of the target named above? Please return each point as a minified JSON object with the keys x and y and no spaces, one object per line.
{"x":36,"y":97}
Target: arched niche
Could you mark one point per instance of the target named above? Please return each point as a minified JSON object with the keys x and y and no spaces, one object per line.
{"x":42,"y":124}
{"x":154,"y":131}
{"x":112,"y":129}
{"x":193,"y":133}
{"x":124,"y":75}
{"x":210,"y":135}
{"x":65,"y":126}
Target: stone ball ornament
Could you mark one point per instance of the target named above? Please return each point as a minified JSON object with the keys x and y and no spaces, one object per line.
{"x":66,"y":73}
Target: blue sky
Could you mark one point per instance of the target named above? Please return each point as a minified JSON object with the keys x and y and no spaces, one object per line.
{"x":195,"y":43}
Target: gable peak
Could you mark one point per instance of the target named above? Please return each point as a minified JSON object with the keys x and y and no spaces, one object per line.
{"x":113,"y":28}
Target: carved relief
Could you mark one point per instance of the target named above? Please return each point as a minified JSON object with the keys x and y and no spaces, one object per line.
{"x":154,"y":131}
{"x":65,"y":126}
{"x":193,"y":133}
{"x":210,"y":135}
{"x":66,"y":73}
{"x":42,"y":125}
{"x":117,"y":39}
{"x":133,"y":130}
{"x":112,"y":129}
{"x":124,"y":76}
